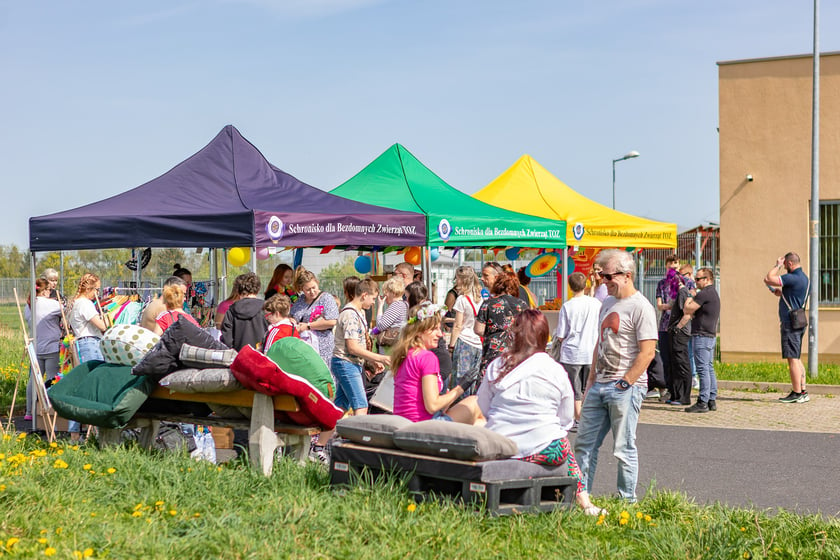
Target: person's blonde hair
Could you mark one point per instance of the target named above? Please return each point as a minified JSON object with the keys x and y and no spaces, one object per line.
{"x":394,"y":286}
{"x":278,"y":303}
{"x":467,"y":282}
{"x":173,"y":296}
{"x":410,"y":335}
{"x":303,"y":276}
{"x":87,"y":282}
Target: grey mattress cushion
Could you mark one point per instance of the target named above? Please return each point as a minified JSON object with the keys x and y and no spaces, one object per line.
{"x":195,"y":357}
{"x":374,"y":429}
{"x":454,"y":440}
{"x":216,"y":380}
{"x":507,"y":469}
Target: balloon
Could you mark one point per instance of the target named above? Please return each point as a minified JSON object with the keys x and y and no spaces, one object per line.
{"x":511,"y":253}
{"x":239,"y":256}
{"x":362,"y":264}
{"x":435,"y":254}
{"x":262,"y":253}
{"x":412,"y":256}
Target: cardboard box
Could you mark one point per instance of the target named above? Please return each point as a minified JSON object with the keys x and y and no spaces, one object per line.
{"x":223,"y":437}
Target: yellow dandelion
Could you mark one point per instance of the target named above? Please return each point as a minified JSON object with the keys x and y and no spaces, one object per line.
{"x":22,"y":435}
{"x":77,"y":554}
{"x":53,"y":444}
{"x":624,"y":515}
{"x":746,"y":555}
{"x":87,"y":553}
{"x":138,"y":506}
{"x":11,"y":541}
{"x":42,"y":541}
{"x":196,"y":514}
{"x":7,"y":437}
{"x":87,"y":466}
{"x":639,"y":515}
{"x":59,"y":452}
{"x":411,"y":507}
{"x":159,"y":503}
{"x":623,"y":521}
{"x":59,"y":464}
{"x":648,"y":518}
{"x":93,"y":514}
{"x":112,"y":470}
{"x":49,"y":551}
{"x":2,"y":456}
{"x":137,"y":514}
{"x":173,"y":512}
{"x":43,"y":531}
{"x":743,"y":529}
{"x":2,"y":487}
{"x":58,"y":530}
{"x":600,"y":520}
{"x":74,"y":447}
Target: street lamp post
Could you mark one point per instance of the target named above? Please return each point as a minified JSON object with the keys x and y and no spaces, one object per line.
{"x":628,"y":155}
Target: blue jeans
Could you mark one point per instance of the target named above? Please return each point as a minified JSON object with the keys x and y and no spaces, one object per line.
{"x":704,"y":355}
{"x":605,"y":408}
{"x":350,"y":389}
{"x":88,"y":347}
{"x":691,"y":357}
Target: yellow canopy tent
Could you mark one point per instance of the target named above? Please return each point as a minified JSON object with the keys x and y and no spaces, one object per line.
{"x":529,"y":188}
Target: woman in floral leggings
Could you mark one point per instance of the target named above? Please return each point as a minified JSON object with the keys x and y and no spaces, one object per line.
{"x":527,"y":397}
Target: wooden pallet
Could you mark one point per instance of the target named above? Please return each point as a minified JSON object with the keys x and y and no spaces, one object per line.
{"x":463,"y":481}
{"x":265,"y":435}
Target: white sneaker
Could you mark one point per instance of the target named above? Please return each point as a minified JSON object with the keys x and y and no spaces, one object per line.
{"x":695,"y":383}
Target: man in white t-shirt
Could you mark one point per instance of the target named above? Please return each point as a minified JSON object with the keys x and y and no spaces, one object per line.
{"x":618,"y":379}
{"x":576,"y":336}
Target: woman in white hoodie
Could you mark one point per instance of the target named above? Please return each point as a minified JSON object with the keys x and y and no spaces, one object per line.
{"x":526,"y":396}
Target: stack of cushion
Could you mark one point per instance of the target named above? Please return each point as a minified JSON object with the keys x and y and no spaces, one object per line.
{"x":127,"y":344}
{"x":432,"y":437}
{"x":164,"y":357}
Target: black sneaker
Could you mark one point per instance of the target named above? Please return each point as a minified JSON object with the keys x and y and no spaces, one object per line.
{"x":803,"y":397}
{"x":791,"y":398}
{"x":699,"y":406}
{"x":712,"y":405}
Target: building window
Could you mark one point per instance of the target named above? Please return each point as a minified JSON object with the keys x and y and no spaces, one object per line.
{"x":830,"y":253}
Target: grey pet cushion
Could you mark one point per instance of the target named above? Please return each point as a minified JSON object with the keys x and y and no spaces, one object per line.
{"x":216,"y":380}
{"x":376,"y":430}
{"x":454,"y":440}
{"x":196,"y":357}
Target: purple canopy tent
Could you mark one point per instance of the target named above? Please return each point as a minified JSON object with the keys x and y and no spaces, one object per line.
{"x":226,"y":195}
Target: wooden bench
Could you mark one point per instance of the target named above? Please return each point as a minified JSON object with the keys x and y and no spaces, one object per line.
{"x":265,"y":434}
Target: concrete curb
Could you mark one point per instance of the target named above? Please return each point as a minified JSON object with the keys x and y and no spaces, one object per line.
{"x":813,"y":389}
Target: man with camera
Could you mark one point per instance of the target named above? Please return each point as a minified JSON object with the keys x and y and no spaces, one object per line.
{"x":792,"y":290}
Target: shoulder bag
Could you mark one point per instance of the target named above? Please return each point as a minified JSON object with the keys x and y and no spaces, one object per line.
{"x":798,"y":317}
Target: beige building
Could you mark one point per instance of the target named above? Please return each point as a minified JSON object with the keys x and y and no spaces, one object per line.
{"x":765,"y":192}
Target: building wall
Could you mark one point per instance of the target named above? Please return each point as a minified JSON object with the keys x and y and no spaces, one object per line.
{"x":765,"y":130}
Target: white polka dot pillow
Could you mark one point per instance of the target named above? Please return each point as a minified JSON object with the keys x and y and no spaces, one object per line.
{"x":127,"y":344}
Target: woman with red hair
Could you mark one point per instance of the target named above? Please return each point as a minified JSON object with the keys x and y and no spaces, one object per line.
{"x":526,"y":396}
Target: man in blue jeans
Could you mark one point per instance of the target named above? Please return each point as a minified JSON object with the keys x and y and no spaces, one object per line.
{"x":627,"y":335}
{"x":704,"y":308}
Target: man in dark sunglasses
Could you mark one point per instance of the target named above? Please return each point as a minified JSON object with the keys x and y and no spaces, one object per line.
{"x":617,"y":381}
{"x":704,"y":307}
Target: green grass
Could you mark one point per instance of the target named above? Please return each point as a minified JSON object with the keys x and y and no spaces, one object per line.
{"x":828,"y":374}
{"x":65,"y":500}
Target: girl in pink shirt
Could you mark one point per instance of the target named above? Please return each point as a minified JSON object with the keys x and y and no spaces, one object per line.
{"x":417,"y":382}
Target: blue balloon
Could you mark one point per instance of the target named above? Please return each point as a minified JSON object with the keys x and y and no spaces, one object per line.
{"x":434,"y":254}
{"x":362,"y":264}
{"x":511,"y":253}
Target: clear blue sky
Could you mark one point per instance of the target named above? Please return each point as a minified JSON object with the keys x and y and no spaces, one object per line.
{"x":99,"y":97}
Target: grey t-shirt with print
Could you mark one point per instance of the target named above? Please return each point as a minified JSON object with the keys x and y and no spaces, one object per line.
{"x":350,"y":325}
{"x":623,"y":324}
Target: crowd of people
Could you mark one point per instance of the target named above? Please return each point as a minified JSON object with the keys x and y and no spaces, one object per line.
{"x":483,"y":358}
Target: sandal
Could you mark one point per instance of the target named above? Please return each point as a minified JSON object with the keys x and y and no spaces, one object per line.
{"x":594,"y":510}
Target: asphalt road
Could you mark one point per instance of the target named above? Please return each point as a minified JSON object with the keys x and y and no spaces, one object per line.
{"x":797,"y":471}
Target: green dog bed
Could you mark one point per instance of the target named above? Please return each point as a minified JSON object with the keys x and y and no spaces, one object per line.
{"x":100,"y":394}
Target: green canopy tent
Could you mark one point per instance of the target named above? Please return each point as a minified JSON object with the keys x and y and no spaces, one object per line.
{"x":398,"y":180}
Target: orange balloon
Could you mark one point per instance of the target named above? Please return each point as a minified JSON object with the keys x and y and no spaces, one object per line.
{"x":412,"y":255}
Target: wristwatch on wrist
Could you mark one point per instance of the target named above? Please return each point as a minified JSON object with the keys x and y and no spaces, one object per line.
{"x":622,"y":384}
